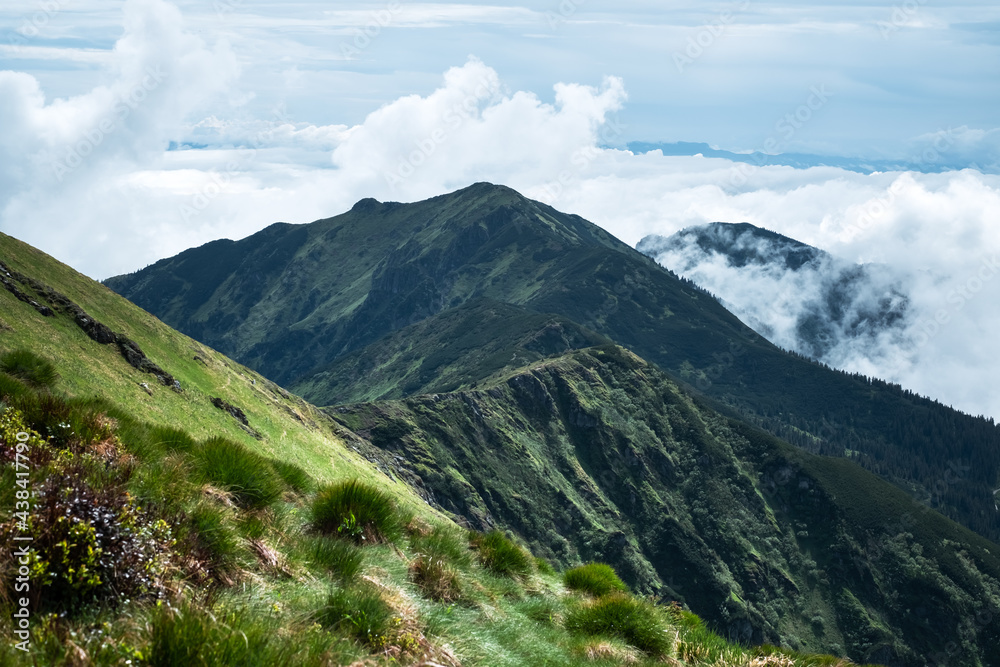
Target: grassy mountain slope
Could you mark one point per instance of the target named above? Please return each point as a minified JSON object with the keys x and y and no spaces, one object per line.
{"x":285,"y":423}
{"x":598,"y":455}
{"x":168,"y":532}
{"x":447,"y":351}
{"x":292,"y":300}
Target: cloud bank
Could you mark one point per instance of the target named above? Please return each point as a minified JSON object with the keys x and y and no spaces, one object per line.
{"x":165,"y":153}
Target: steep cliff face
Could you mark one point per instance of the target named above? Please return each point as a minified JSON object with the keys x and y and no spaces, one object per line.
{"x":598,"y":455}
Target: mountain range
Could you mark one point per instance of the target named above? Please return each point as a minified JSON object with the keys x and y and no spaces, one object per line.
{"x":798,"y":297}
{"x":519,"y":367}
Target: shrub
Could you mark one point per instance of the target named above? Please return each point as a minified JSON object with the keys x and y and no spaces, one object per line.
{"x":341,"y":559}
{"x":294,"y":476}
{"x":435,"y":578}
{"x":28,"y":366}
{"x":93,"y":545}
{"x":361,"y":612}
{"x":622,"y":616}
{"x":500,"y":555}
{"x":248,"y":476}
{"x":596,"y":579}
{"x":356,"y":511}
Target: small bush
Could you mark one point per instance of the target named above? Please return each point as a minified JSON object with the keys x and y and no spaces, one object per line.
{"x":500,"y":555}
{"x":294,"y":476}
{"x":356,"y":511}
{"x":622,"y":616}
{"x":341,"y":559}
{"x":93,"y":545}
{"x":248,"y":476}
{"x":28,"y":366}
{"x":596,"y":579}
{"x":361,"y":612}
{"x":435,"y":578}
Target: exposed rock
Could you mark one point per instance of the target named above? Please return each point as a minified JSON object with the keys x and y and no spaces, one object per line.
{"x":97,"y":331}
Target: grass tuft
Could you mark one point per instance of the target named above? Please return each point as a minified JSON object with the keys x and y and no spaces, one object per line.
{"x":625,"y":617}
{"x":356,"y":511}
{"x":597,"y":579}
{"x":294,"y":476}
{"x":24,"y":364}
{"x":361,"y":612}
{"x":500,"y":554}
{"x":248,"y":476}
{"x":341,"y":559}
{"x":435,"y":578}
{"x":443,"y":543}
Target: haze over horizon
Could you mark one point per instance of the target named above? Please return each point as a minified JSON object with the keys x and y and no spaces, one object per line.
{"x":133,"y":131}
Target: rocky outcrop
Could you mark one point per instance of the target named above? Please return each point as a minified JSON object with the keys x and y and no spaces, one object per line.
{"x":97,"y":331}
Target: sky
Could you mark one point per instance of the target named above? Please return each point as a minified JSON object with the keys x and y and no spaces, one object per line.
{"x":130,"y":131}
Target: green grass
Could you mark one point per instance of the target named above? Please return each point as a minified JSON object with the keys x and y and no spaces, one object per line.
{"x":248,"y":476}
{"x":444,"y":543}
{"x":338,"y":558}
{"x":29,"y":367}
{"x":356,"y":511}
{"x":360,"y":611}
{"x":594,"y":578}
{"x":294,"y":476}
{"x":632,"y":620}
{"x":499,"y":554}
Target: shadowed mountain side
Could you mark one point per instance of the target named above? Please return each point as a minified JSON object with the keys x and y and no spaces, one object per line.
{"x":445,"y":352}
{"x":302,"y":297}
{"x":598,"y":455}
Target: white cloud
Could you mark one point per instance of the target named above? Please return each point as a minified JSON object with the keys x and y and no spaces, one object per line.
{"x":129,"y":201}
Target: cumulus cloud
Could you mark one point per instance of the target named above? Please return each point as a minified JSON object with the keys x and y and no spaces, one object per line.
{"x":129,"y":200}
{"x":64,"y":158}
{"x":920,"y":316}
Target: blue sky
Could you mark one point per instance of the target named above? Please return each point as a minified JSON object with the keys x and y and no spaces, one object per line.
{"x":132,"y":130}
{"x":721,"y":73}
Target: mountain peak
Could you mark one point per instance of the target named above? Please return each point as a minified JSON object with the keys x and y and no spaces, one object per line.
{"x":741,"y":243}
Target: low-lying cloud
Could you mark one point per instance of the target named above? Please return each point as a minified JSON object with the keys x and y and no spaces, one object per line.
{"x":174,"y":159}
